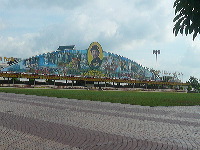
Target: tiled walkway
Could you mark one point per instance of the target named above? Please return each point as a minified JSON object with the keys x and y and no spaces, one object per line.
{"x":44,"y":123}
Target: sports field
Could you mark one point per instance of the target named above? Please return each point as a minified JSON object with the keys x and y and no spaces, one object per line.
{"x":124,"y":97}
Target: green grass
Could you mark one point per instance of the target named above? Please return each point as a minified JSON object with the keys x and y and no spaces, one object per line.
{"x":124,"y":97}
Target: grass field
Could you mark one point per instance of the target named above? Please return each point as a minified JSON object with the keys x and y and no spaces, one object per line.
{"x":124,"y":97}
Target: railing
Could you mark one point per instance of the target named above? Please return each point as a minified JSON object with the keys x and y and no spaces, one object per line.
{"x":58,"y":77}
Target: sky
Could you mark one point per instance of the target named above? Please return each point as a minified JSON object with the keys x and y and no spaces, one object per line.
{"x":130,"y":28}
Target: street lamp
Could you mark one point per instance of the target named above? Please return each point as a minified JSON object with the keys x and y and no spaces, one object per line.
{"x":156,"y":52}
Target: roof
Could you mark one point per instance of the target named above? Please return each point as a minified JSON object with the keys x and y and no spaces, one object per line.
{"x":71,"y":47}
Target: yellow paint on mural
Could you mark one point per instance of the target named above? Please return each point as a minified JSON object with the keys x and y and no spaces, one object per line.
{"x":94,"y":73}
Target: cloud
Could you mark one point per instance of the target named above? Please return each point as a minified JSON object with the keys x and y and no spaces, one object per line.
{"x":114,"y":21}
{"x":42,"y":4}
{"x":118,"y":25}
{"x":2,"y":25}
{"x":192,"y":55}
{"x":20,"y":47}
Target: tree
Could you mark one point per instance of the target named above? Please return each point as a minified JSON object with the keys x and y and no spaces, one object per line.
{"x":187,"y":19}
{"x":194,"y":84}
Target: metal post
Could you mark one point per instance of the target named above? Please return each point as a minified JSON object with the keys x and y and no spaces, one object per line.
{"x":13,"y":81}
{"x":34,"y":83}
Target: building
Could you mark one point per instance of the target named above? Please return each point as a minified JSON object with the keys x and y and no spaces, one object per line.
{"x":91,"y":62}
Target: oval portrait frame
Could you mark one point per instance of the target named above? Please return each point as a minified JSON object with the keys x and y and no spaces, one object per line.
{"x":89,"y":52}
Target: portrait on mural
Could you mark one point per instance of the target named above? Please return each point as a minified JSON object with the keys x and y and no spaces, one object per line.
{"x":95,"y":55}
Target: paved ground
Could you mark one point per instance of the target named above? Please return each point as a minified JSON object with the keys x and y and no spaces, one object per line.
{"x":43,"y":123}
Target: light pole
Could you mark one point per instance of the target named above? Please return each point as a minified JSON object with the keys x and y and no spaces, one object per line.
{"x":156,"y":52}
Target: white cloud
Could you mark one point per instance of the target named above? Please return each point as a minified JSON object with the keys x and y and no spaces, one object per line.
{"x":42,"y":4}
{"x":192,"y":55}
{"x":2,"y":25}
{"x":20,"y":47}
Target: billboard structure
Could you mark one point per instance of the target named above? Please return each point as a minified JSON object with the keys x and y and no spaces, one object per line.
{"x":91,"y":62}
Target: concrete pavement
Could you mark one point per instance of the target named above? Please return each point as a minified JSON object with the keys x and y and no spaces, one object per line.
{"x":38,"y":122}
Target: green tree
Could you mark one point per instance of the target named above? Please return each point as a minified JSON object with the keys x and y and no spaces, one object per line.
{"x":194,"y":84}
{"x":187,"y":19}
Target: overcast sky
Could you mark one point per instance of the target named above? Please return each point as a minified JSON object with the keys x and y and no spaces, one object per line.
{"x":130,"y":28}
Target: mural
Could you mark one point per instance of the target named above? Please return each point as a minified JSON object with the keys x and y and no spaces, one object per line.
{"x":92,"y":62}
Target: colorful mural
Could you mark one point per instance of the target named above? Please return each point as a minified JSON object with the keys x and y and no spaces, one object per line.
{"x":92,"y":62}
